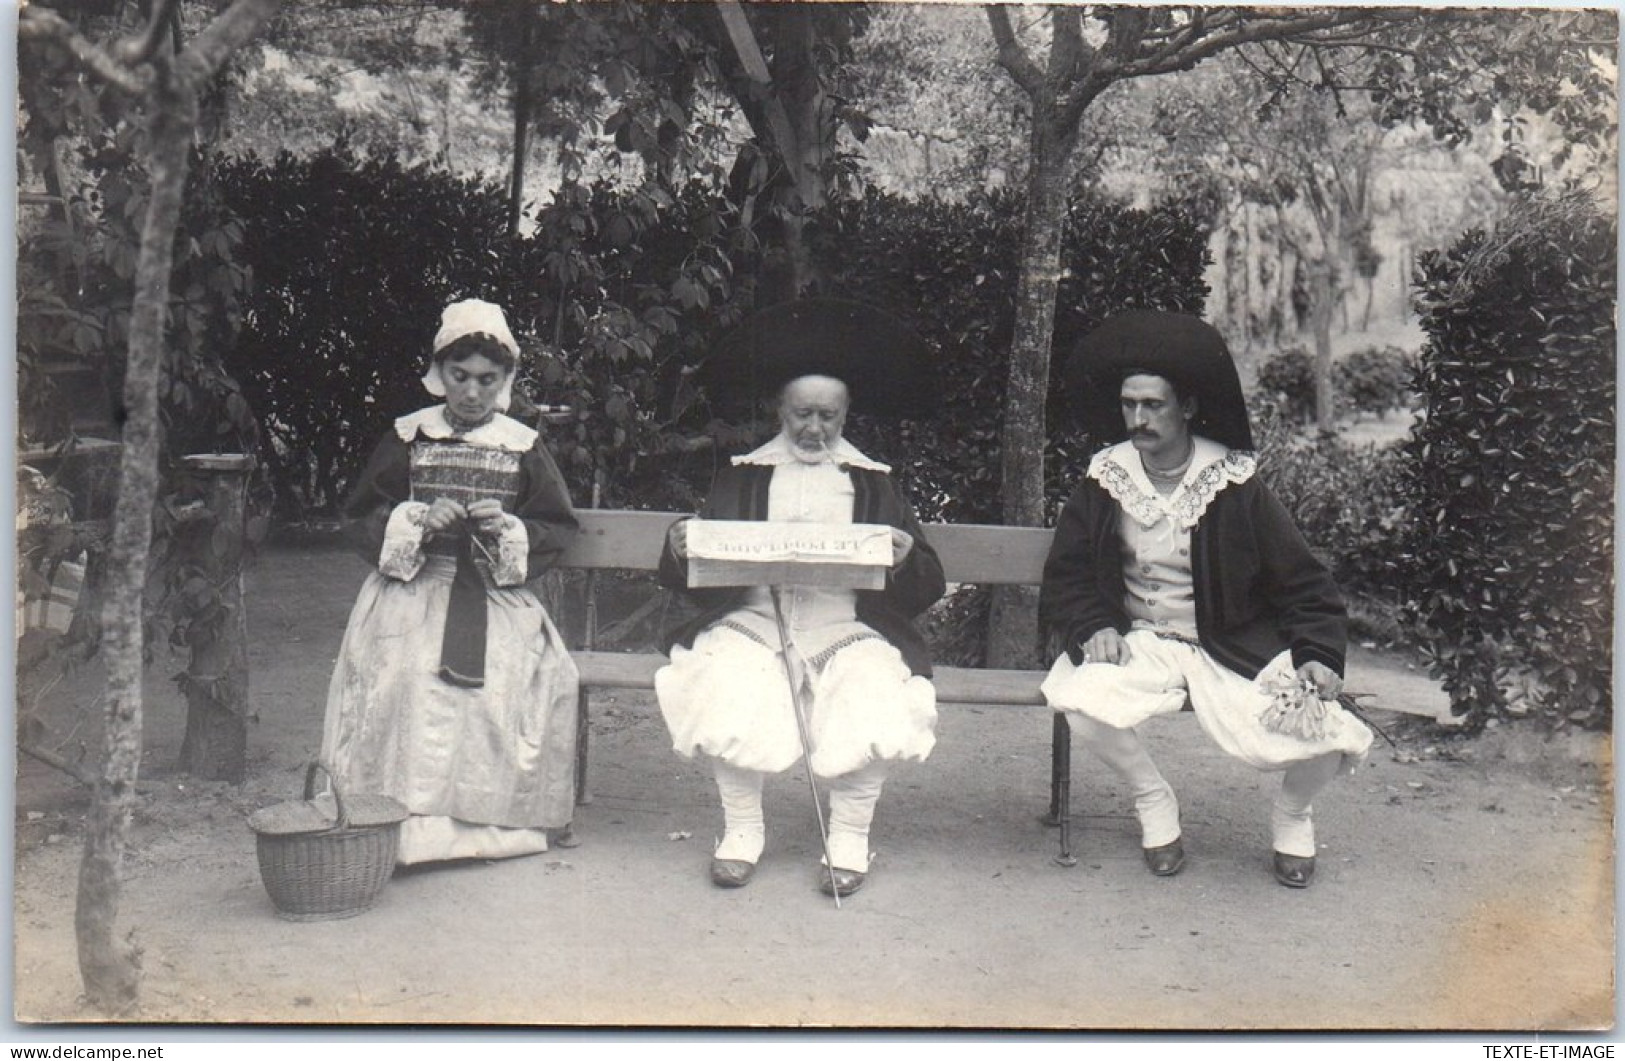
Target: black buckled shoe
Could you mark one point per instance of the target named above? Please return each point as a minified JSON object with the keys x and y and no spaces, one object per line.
{"x":840,"y":882}
{"x":1294,"y":871}
{"x":1167,"y":860}
{"x":731,"y":872}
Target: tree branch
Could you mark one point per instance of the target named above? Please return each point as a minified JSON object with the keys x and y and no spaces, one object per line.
{"x":1069,"y":54}
{"x":1126,"y":31}
{"x":230,"y":30}
{"x":42,"y":24}
{"x":49,"y":758}
{"x":1183,"y":54}
{"x":1012,"y":56}
{"x":138,"y":50}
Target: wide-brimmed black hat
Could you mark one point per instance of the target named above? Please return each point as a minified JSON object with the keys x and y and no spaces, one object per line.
{"x":888,"y":369}
{"x":1185,"y":350}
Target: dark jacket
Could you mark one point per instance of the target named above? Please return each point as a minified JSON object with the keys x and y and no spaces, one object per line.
{"x":1258,"y":588}
{"x":740,"y":492}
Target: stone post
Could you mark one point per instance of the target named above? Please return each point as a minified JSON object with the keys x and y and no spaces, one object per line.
{"x":216,"y":743}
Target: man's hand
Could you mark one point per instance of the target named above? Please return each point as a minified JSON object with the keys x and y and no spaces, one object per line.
{"x":1326,"y":681}
{"x":443,"y":515}
{"x":902,"y":542}
{"x":1106,"y":646}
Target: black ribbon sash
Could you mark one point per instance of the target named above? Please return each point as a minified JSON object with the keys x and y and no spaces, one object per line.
{"x":462,"y":646}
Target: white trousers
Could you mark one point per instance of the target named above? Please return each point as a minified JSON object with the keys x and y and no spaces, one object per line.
{"x":1105,"y":701}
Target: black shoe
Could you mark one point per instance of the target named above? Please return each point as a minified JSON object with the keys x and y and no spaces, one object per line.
{"x":841,"y":882}
{"x":1166,"y":860}
{"x":1294,"y":871}
{"x":565,"y":837}
{"x":731,"y":872}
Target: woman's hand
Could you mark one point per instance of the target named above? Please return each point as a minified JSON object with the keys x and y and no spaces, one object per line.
{"x":902,"y":543}
{"x":443,"y":515}
{"x":487,"y":516}
{"x":1106,"y":646}
{"x":677,"y":539}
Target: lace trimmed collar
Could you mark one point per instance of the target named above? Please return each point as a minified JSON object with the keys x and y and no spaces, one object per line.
{"x":1213,"y":467}
{"x":779,"y":451}
{"x":503,"y":432}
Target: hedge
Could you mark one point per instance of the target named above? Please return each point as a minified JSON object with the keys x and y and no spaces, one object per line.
{"x":1509,"y":479}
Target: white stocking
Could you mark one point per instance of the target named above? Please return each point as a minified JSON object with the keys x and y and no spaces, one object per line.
{"x":852,"y":799}
{"x":1292,"y":824}
{"x":1123,"y":751}
{"x":744,"y":830}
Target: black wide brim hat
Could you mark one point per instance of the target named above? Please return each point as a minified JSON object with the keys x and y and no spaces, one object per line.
{"x":1185,"y":350}
{"x":888,"y":369}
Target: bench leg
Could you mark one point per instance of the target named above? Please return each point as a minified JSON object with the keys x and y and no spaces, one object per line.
{"x":583,"y":796}
{"x":1060,"y":795}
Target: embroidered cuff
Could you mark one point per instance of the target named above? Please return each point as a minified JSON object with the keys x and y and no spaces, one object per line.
{"x":402,"y":555}
{"x":510,"y":557}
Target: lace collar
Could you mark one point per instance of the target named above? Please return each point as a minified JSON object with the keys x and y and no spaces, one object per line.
{"x":503,"y":432}
{"x":1213,"y":467}
{"x":779,"y":451}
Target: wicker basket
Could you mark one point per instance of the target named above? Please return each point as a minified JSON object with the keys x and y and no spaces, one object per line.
{"x":328,"y":857}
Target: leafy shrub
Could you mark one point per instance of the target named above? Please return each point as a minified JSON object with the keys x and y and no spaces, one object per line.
{"x":1287,"y":377}
{"x":1370,"y":380}
{"x":352,"y":262}
{"x":1510,"y":477}
{"x":355,"y":258}
{"x":1344,"y":497}
{"x":1375,"y":380}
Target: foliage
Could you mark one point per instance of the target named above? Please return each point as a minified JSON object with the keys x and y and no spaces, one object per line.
{"x":615,"y":293}
{"x":355,"y":258}
{"x":76,"y":283}
{"x":1455,"y":71}
{"x":1371,"y":380}
{"x":1343,"y":497}
{"x":352,"y":260}
{"x":1510,"y":478}
{"x":1375,"y":380}
{"x":1287,"y":377}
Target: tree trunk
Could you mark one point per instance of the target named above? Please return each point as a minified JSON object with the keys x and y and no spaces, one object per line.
{"x":521,"y":120}
{"x":109,"y":968}
{"x":1322,"y":305}
{"x":796,"y":77}
{"x":785,"y":108}
{"x":216,"y":743}
{"x":1013,"y":625}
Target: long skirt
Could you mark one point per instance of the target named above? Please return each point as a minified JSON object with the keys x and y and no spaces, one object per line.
{"x":1163,"y":672}
{"x":485,"y":772}
{"x":729,"y":698}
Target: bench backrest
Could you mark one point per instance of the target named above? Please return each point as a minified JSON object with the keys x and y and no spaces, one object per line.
{"x":983,"y":554}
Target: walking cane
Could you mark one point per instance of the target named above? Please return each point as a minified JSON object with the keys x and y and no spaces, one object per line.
{"x":793,"y":671}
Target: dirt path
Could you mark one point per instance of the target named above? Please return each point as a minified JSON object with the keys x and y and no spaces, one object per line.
{"x":1462,"y":886}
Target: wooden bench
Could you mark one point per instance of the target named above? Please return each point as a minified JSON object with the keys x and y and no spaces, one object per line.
{"x":970,"y":553}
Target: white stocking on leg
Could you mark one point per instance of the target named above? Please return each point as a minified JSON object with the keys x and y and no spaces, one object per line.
{"x":1292,"y":824}
{"x":1123,"y":751}
{"x":744,"y":830}
{"x":852,"y":799}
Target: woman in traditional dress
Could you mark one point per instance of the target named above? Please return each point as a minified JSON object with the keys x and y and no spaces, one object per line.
{"x":453,"y":691}
{"x":866,"y":687}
